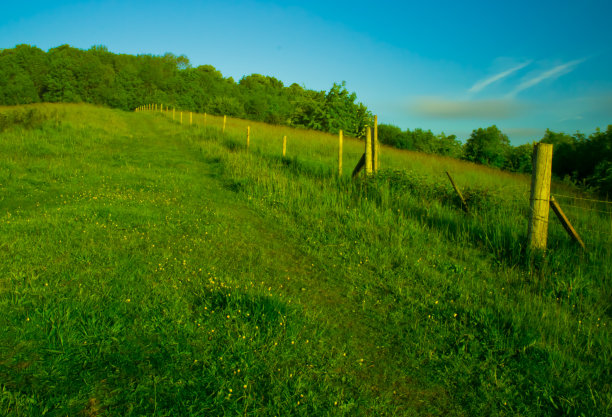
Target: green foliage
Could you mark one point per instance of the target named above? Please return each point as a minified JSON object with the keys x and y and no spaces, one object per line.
{"x":420,"y":140}
{"x":585,"y":160}
{"x":66,"y":74}
{"x":487,"y":146}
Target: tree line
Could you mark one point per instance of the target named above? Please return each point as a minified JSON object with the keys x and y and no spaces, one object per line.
{"x":579,"y":159}
{"x":66,"y":74}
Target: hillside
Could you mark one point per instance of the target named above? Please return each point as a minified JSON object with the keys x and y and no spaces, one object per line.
{"x":158,"y":268}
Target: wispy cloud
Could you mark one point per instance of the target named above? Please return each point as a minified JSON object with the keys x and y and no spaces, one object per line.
{"x":483,"y":83}
{"x":442,"y":108}
{"x":551,"y":73}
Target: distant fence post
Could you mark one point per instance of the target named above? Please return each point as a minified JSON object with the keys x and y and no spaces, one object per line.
{"x":464,"y":204}
{"x":376,"y":149}
{"x":368,"y":152}
{"x":537,"y":234}
{"x":173,"y":109}
{"x":190,"y":118}
{"x":340,"y":153}
{"x":224,"y":119}
{"x":248,"y":136}
{"x":181,"y":117}
{"x":204,"y":119}
{"x":284,"y":145}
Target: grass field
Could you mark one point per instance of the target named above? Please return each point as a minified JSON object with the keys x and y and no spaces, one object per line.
{"x":157,"y":269}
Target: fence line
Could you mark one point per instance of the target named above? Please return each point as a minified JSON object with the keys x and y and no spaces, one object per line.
{"x":584,"y":199}
{"x":521,"y":193}
{"x":587,"y":208}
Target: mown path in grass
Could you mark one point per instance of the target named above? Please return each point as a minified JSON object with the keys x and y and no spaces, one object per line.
{"x":252,"y":241}
{"x":137,"y":282}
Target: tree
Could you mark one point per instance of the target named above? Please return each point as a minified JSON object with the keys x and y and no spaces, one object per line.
{"x":487,"y":146}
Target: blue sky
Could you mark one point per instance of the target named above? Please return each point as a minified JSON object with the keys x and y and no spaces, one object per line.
{"x":449,"y":66}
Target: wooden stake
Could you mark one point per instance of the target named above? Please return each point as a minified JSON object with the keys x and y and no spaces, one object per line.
{"x":537,"y":233}
{"x":224,"y":118}
{"x":284,"y":146}
{"x":248,"y":136}
{"x":376,"y":148}
{"x":181,"y":117}
{"x":368,"y":152}
{"x":340,"y":153}
{"x":190,"y":118}
{"x":565,"y":222}
{"x":359,"y":166}
{"x":465,"y":206}
{"x":173,"y":109}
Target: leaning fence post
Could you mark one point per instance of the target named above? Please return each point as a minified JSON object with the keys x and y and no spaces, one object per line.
{"x":565,"y":222}
{"x":465,"y":206}
{"x":539,"y":202}
{"x":368,"y":152}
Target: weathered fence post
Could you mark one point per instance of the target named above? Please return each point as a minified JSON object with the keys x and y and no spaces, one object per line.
{"x":368,"y":152}
{"x":565,"y":222}
{"x":537,"y":234}
{"x":224,"y":118}
{"x":465,"y":206}
{"x":340,"y":153}
{"x":376,"y":148}
{"x":284,"y":145}
{"x":248,"y":136}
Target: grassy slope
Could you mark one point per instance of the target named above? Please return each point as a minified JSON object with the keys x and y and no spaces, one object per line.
{"x":153,"y":269}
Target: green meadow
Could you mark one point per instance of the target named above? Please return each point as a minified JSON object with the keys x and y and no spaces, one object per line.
{"x":153,"y":268}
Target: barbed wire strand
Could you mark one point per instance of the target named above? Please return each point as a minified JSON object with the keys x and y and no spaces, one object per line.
{"x":584,"y":199}
{"x":586,"y":208}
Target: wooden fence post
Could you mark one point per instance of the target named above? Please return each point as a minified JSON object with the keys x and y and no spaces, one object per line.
{"x":204,"y":119}
{"x":181,"y":117}
{"x":340,"y":153}
{"x":565,"y":222}
{"x":190,"y":118}
{"x":537,"y":234}
{"x":284,"y":145}
{"x":465,"y":206}
{"x":248,"y":136}
{"x":173,"y":109}
{"x":376,"y":148}
{"x":368,"y":152}
{"x":224,"y":118}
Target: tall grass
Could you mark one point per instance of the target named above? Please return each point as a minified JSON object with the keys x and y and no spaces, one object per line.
{"x":157,"y":269}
